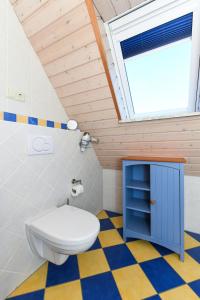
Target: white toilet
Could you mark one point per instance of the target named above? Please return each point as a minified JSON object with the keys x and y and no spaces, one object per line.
{"x":61,"y":232}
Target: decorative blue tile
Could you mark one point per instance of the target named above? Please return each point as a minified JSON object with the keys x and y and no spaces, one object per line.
{"x":60,"y":274}
{"x":196,"y":236}
{"x":106,"y":224}
{"x":50,"y":124}
{"x":32,"y":121}
{"x":113,"y":214}
{"x":161,"y":274}
{"x":63,"y":126}
{"x":9,"y":117}
{"x":195,"y":285}
{"x":162,"y":250}
{"x":119,"y":256}
{"x":195,"y":253}
{"x":100,"y":287}
{"x":96,"y":245}
{"x":155,"y":297}
{"x":38,"y":295}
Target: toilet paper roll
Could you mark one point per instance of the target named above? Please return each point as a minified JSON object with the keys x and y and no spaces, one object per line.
{"x":77,"y":190}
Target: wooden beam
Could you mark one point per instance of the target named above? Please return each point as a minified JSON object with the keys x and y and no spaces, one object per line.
{"x":94,"y":22}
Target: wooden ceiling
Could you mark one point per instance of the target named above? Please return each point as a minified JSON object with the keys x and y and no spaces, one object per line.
{"x":109,"y":9}
{"x":61,"y":34}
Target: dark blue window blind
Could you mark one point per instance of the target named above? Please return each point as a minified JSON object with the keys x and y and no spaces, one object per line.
{"x":164,"y":34}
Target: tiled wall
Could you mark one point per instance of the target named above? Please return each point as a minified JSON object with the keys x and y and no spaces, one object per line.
{"x":31,"y":184}
{"x":112,"y":197}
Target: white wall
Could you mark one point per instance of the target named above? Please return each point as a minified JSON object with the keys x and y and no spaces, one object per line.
{"x":31,"y":184}
{"x":112,"y":197}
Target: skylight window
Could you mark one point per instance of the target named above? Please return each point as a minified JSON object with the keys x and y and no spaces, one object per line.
{"x":156,"y":52}
{"x":159,"y":79}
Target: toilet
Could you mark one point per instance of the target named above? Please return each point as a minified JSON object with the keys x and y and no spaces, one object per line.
{"x":61,"y":232}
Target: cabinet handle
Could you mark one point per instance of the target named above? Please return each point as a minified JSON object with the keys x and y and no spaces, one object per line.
{"x":153,"y":202}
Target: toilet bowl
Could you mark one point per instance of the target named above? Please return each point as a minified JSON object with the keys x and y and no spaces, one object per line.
{"x":61,"y":232}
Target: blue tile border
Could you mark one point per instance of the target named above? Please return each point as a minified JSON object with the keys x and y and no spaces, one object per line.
{"x":17,"y":118}
{"x":7,"y":116}
{"x":32,"y":121}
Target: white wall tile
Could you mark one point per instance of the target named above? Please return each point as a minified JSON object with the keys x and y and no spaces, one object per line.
{"x":31,"y":184}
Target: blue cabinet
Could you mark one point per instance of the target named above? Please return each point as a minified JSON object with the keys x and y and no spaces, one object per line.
{"x":153,"y":201}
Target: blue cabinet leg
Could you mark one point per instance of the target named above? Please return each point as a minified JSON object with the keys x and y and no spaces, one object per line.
{"x":182,"y":256}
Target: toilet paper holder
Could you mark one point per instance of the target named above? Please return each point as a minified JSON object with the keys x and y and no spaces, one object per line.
{"x":75,"y":181}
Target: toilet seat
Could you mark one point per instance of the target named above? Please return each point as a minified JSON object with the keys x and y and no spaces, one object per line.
{"x":66,"y":225}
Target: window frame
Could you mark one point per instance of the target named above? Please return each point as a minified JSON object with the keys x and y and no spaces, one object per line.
{"x":137,"y":21}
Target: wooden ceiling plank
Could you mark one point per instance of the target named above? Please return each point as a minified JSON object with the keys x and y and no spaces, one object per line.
{"x":94,"y":22}
{"x":67,"y":45}
{"x":83,"y":86}
{"x":95,"y":116}
{"x":77,"y":58}
{"x":136,"y":2}
{"x":121,"y":5}
{"x":87,"y":97}
{"x":61,"y":28}
{"x":82,"y":72}
{"x":25,"y":9}
{"x":105,"y":9}
{"x":91,"y":107}
{"x":47,"y":14}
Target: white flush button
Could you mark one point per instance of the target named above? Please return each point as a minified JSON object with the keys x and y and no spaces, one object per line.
{"x":38,"y":145}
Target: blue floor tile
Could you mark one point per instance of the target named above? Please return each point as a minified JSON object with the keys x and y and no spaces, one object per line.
{"x":113,"y":214}
{"x":60,"y":274}
{"x":106,"y":224}
{"x":96,"y":245}
{"x":195,"y":253}
{"x":162,"y":250}
{"x":194,"y":235}
{"x":38,"y":295}
{"x":100,"y":287}
{"x":119,"y":256}
{"x":195,"y":285}
{"x":161,"y":275}
{"x":156,"y":297}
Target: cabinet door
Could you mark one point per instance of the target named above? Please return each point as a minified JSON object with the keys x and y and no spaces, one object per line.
{"x":165,"y":205}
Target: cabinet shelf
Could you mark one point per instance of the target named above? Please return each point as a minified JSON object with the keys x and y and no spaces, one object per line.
{"x":137,"y":204}
{"x":138,"y":185}
{"x":139,"y":224}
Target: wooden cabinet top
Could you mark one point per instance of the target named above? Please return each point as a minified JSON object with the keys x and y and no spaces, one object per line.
{"x":156,"y":158}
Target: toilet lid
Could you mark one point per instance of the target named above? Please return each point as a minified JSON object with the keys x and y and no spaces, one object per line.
{"x":66,"y":224}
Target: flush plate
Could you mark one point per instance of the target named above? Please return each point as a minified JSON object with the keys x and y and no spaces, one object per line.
{"x":40,"y":145}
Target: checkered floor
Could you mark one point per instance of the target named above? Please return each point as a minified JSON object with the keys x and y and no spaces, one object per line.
{"x":112,"y":269}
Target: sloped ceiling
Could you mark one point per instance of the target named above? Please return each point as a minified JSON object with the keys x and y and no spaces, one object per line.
{"x":61,"y":33}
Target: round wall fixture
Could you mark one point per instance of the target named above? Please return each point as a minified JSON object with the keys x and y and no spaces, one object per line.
{"x":72,"y":125}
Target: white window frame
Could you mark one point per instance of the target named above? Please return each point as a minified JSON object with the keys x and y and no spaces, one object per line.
{"x":136,"y":21}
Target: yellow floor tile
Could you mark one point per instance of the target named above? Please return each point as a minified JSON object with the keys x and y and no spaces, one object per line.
{"x":92,"y":263}
{"x":143,"y":250}
{"x":67,"y":291}
{"x":110,"y":238}
{"x":190,"y":242}
{"x":189,"y":270}
{"x":102,"y":215}
{"x":133,"y":283}
{"x":117,"y":222}
{"x":180,"y":293}
{"x":35,"y":282}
